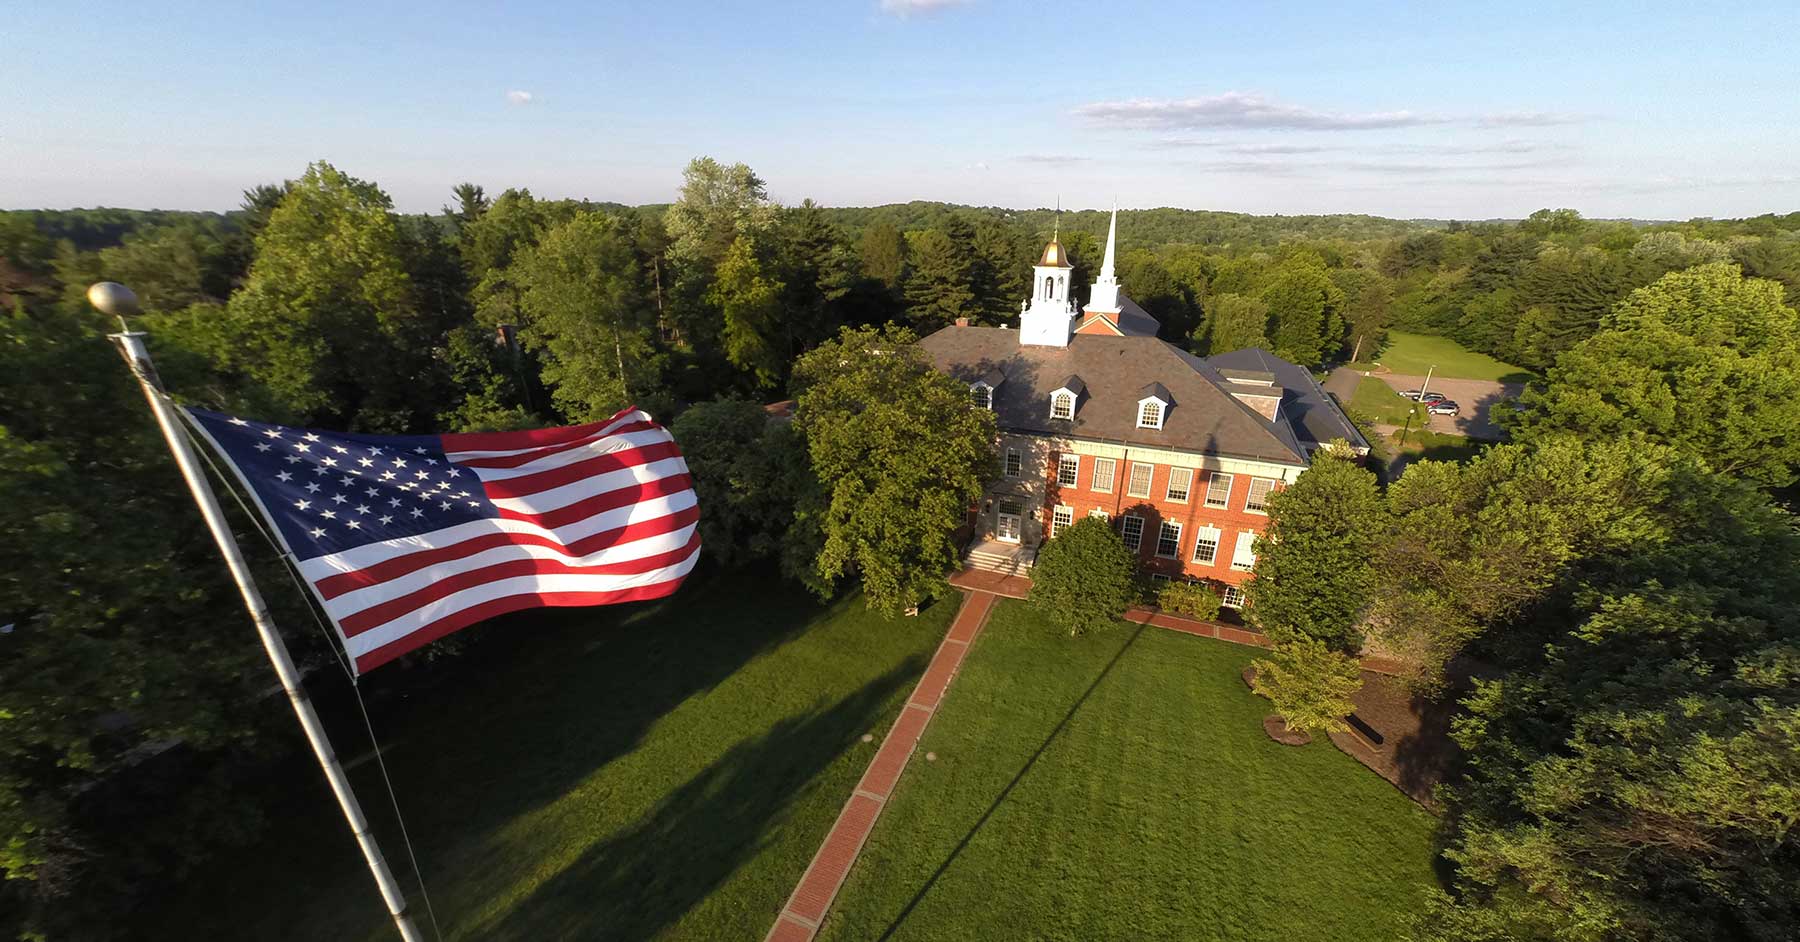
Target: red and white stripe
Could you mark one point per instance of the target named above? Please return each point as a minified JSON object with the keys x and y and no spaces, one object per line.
{"x":589,"y":515}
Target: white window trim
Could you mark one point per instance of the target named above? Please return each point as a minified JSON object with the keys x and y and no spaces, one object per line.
{"x":1162,"y":413}
{"x":1139,"y":539}
{"x":1112,"y":475}
{"x":978,"y":384}
{"x":1230,"y":481}
{"x":1159,"y":532}
{"x":1013,"y":454}
{"x":1232,"y":597}
{"x":1149,"y":482}
{"x":1075,"y":475}
{"x":1058,"y":398}
{"x":1101,"y":514}
{"x":1169,"y":486}
{"x":1243,"y":552}
{"x":1269,"y":488}
{"x":1200,"y":539}
{"x":1057,"y":526}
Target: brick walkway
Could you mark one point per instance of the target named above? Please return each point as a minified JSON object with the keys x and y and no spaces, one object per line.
{"x":805,"y":909}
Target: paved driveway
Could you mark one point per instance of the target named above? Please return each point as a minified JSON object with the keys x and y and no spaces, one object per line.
{"x":1476,"y":396}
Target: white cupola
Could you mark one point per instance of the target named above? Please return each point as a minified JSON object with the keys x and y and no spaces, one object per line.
{"x":1047,"y":319}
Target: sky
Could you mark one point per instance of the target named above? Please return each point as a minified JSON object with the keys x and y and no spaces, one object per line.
{"x":1616,"y":109}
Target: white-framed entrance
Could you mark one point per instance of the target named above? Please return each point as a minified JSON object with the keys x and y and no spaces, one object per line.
{"x":1009,"y":519}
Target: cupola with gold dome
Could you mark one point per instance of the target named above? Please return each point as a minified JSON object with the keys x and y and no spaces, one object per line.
{"x":1047,"y":319}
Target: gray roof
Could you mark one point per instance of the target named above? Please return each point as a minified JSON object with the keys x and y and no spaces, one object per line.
{"x":1315,"y":415}
{"x":1133,"y":319}
{"x":1204,"y":418}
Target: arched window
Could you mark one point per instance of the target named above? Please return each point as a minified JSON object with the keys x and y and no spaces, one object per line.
{"x":981,"y":396}
{"x":1049,"y":287}
{"x":1062,"y":406}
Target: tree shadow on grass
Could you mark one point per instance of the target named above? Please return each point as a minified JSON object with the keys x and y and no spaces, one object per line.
{"x":643,"y":879}
{"x":536,"y":703}
{"x":1006,"y":792}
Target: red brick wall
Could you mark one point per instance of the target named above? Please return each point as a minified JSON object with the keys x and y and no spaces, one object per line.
{"x":1191,"y":515}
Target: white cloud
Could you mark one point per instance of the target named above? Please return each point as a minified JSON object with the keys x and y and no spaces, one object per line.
{"x":1247,"y":111}
{"x":1053,"y":160}
{"x":1240,"y":110}
{"x":905,"y":8}
{"x":518,"y":97}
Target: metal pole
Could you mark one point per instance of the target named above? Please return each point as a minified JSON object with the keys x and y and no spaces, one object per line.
{"x":131,"y":346}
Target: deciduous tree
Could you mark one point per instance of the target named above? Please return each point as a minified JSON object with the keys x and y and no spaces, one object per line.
{"x":899,"y":455}
{"x":1309,"y":684}
{"x":1085,"y":578}
{"x":1313,"y":577}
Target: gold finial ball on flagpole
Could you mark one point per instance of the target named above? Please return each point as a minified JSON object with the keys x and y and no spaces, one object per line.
{"x":110,"y":297}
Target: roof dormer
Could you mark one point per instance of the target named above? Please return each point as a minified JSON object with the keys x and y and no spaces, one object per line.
{"x":1153,"y":406}
{"x":981,"y":391}
{"x":1066,"y":398}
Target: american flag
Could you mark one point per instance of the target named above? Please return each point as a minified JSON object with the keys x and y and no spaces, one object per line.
{"x":406,"y":538}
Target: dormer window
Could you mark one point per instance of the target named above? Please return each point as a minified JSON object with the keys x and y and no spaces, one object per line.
{"x":981,"y":396}
{"x":1064,"y":398}
{"x":1153,"y":406}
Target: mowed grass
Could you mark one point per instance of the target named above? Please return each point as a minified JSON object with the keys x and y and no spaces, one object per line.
{"x":1120,"y":786}
{"x":1413,"y":354}
{"x":1380,"y":402}
{"x":651,"y":771}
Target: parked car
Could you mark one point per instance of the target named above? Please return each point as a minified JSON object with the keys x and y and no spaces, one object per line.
{"x":1443,"y":407}
{"x":1432,"y":397}
{"x":1412,"y":394}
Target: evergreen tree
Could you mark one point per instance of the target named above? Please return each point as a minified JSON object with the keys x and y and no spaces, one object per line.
{"x":758,"y":331}
{"x":938,"y":289}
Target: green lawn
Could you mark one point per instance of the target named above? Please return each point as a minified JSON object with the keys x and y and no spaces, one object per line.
{"x":1413,"y":354}
{"x":1380,"y":402}
{"x":656,"y":771}
{"x":1437,"y":446}
{"x":1120,"y":786}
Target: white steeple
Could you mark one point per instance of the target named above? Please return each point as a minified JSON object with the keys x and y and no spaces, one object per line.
{"x":1105,"y":296}
{"x":1047,"y":319}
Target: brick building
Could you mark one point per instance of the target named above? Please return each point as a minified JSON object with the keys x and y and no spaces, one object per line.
{"x":1098,"y":416}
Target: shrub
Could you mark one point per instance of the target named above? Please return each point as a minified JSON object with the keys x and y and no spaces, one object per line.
{"x":1084,"y":578}
{"x":1193,"y":599}
{"x":1309,"y":684}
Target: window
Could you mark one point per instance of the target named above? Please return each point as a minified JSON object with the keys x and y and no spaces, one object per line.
{"x":1258,"y":501}
{"x":1243,"y":555}
{"x":1206,"y":545}
{"x":1140,"y":480}
{"x":1131,"y":529}
{"x":1168,"y":540}
{"x":981,"y":396}
{"x":1218,"y":490}
{"x":1101,"y":514}
{"x":1014,"y":463}
{"x":1150,"y":414}
{"x":1103,"y":474}
{"x":1234,"y":597}
{"x":1062,"y":406}
{"x":1180,"y":479}
{"x":1061,"y":519}
{"x":1068,"y":468}
{"x":1049,"y":287}
{"x":1159,"y":578}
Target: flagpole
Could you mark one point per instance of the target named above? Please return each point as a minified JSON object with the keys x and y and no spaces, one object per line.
{"x":117,"y":300}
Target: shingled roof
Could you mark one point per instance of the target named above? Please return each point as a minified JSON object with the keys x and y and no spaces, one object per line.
{"x":1317,"y":417}
{"x":1205,"y":418}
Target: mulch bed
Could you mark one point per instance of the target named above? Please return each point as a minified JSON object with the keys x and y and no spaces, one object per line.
{"x":1277,"y":729}
{"x":1414,"y":751}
